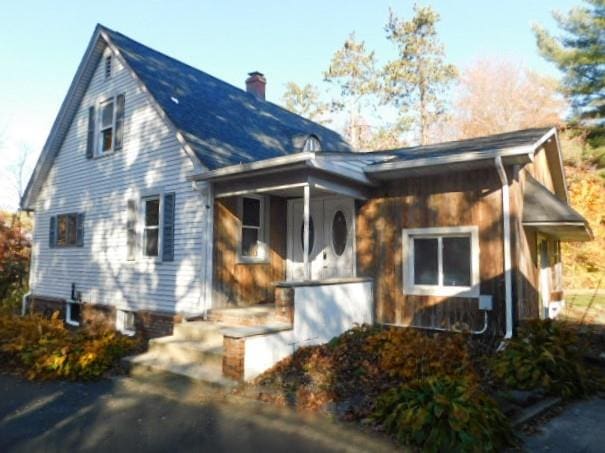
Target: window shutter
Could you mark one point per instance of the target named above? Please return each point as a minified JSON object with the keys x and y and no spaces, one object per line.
{"x":168,"y":228}
{"x":52,"y":231}
{"x":119,"y":138}
{"x":131,"y":231}
{"x":80,"y":229}
{"x":90,"y":141}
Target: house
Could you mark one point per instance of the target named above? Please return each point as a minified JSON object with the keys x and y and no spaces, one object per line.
{"x":171,"y":204}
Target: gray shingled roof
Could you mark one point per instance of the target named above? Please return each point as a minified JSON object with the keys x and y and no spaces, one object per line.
{"x":540,"y":205}
{"x":477,"y":146}
{"x":223,"y":124}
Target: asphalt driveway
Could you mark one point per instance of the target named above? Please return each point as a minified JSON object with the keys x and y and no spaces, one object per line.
{"x":130,"y":415}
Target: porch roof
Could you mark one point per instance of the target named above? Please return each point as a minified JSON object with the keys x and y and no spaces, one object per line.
{"x":544,"y":211}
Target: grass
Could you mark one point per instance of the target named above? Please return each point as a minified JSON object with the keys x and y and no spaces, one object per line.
{"x":586,"y":309}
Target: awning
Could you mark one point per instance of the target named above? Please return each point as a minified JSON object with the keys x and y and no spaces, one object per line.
{"x":547,"y":213}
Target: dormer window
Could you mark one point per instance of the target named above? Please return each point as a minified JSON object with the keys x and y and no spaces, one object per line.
{"x":312,"y":144}
{"x":108,"y":66}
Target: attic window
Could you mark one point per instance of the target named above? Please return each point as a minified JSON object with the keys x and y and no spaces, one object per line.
{"x":312,"y":144}
{"x":108,"y":66}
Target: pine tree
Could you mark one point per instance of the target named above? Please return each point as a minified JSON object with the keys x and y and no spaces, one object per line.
{"x":418,"y":78}
{"x":352,"y":69}
{"x":580,"y":55}
{"x":305,"y":101}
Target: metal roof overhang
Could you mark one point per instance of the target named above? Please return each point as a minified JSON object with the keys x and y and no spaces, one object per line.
{"x":458,"y":162}
{"x":564,"y":231}
{"x":286,"y":176}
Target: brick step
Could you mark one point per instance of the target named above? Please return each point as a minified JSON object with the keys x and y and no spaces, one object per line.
{"x":188,"y":351}
{"x":256,"y":315}
{"x":151,"y":364}
{"x":198,"y":331}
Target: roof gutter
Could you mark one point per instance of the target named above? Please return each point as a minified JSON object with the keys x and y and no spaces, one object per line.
{"x":508,"y":290}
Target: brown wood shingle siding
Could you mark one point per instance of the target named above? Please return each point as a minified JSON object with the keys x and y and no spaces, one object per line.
{"x":246,"y":283}
{"x":457,"y":199}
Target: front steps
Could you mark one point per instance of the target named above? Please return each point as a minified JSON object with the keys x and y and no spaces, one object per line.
{"x":195,"y":350}
{"x":253,"y":316}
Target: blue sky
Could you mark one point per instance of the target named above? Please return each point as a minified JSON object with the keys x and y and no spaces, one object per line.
{"x":41,"y":44}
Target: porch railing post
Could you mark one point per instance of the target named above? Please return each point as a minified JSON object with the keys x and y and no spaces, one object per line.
{"x":306,"y":216}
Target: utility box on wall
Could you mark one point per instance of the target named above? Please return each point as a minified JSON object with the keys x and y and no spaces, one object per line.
{"x":486,"y":302}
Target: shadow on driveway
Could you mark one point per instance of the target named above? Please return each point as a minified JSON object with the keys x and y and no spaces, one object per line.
{"x":129,"y":415}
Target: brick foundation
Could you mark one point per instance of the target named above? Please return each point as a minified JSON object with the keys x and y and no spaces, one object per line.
{"x":284,"y":304}
{"x":148,"y":324}
{"x":234,"y":350}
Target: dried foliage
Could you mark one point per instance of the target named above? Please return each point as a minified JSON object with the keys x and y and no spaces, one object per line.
{"x":497,"y":96}
{"x":585,"y":261}
{"x":443,"y":413}
{"x":15,"y":250}
{"x":546,"y":355}
{"x":43,"y":348}
{"x":364,"y":362}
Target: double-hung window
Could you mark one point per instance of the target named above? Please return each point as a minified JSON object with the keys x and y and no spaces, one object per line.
{"x":106,"y":128}
{"x":252,"y":243}
{"x":151,"y":228}
{"x":441,"y":261}
{"x":66,"y":230}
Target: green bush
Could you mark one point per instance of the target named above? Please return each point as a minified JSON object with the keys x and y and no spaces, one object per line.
{"x":44,"y":349}
{"x":544,"y":355}
{"x":443,"y":413}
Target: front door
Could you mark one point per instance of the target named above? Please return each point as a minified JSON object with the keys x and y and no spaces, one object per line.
{"x":331,"y":238}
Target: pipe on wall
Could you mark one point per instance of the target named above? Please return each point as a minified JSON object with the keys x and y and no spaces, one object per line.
{"x":507,"y":247}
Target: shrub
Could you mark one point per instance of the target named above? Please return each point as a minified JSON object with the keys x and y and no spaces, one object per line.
{"x":443,"y":413}
{"x":44,"y":349}
{"x":545,"y":354}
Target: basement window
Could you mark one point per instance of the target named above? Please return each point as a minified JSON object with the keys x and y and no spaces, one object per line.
{"x":441,"y":261}
{"x":73,"y":313}
{"x":125,"y":322}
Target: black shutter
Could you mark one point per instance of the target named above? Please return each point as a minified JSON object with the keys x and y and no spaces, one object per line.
{"x":80,"y":229}
{"x":52,"y":231}
{"x":90,"y":141}
{"x":168,"y":228}
{"x":131,"y":232}
{"x":119,"y":139}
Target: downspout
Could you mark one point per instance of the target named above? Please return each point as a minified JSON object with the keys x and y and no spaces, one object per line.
{"x":507,"y":247}
{"x":24,"y":303}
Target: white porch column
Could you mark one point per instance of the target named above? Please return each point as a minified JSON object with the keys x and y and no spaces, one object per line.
{"x":306,"y":215}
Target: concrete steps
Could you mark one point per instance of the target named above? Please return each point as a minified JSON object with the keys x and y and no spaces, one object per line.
{"x":195,"y":350}
{"x":256,"y":315}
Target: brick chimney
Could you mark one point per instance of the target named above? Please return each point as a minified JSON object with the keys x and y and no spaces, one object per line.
{"x":255,"y":84}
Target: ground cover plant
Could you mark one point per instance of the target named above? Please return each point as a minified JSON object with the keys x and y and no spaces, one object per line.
{"x":41,"y":348}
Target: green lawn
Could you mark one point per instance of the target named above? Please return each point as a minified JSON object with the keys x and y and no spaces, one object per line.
{"x":586,"y":308}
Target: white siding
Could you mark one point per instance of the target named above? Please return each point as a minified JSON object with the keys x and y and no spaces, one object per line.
{"x":151,"y":161}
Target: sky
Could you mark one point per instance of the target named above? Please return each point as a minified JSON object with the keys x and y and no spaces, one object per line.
{"x":42,"y":42}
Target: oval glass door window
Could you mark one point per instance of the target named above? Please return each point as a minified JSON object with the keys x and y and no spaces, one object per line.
{"x":311,"y":235}
{"x":339,"y":233}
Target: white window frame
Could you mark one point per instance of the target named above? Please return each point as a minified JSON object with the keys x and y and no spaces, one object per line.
{"x":121,"y":326}
{"x":263,"y":233}
{"x":142,"y":228}
{"x":68,"y":319}
{"x":100,"y":129}
{"x":312,"y":144}
{"x":410,"y":288}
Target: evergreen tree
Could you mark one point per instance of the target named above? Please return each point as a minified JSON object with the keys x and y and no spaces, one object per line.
{"x":580,"y":55}
{"x":416,"y":81}
{"x":305,"y":101}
